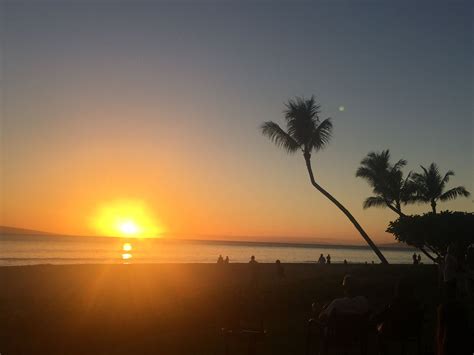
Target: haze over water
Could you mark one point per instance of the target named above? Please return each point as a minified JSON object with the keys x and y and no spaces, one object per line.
{"x":30,"y":250}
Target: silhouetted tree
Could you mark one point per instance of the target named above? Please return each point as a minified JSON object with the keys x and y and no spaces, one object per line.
{"x":387,"y":182}
{"x":305,"y":132}
{"x":430,"y":186}
{"x":435,"y":232}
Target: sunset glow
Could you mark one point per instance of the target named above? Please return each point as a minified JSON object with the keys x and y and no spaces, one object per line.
{"x":126,"y":218}
{"x":151,"y":123}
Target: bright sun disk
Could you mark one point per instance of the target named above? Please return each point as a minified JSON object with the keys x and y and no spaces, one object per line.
{"x":126,"y":218}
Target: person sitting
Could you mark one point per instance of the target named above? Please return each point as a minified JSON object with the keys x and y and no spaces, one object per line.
{"x":322,"y":259}
{"x":220,"y":259}
{"x":252,"y":260}
{"x":344,"y":321}
{"x":349,"y":304}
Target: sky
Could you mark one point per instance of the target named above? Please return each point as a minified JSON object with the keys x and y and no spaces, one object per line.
{"x":160,"y":103}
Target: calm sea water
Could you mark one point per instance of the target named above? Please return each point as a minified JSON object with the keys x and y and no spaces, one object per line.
{"x":31,"y":250}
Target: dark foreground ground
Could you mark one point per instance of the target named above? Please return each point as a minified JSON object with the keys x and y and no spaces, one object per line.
{"x":180,"y":309}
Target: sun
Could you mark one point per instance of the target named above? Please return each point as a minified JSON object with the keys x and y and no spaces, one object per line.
{"x":128,"y":228}
{"x":126,"y":218}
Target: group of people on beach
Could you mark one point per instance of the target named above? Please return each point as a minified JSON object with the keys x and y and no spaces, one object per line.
{"x":324,"y":260}
{"x":416,"y":259}
{"x":221,"y":260}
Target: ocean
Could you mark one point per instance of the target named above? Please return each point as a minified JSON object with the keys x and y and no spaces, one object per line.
{"x":35,"y":249}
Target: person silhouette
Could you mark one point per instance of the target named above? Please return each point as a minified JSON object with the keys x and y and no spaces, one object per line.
{"x":350,"y":303}
{"x":279,"y":269}
{"x":345,"y":261}
{"x":226,"y":260}
{"x":328,"y":259}
{"x":419,"y":259}
{"x":415,"y":259}
{"x":220,"y":259}
{"x":253,"y":271}
{"x":322,"y":259}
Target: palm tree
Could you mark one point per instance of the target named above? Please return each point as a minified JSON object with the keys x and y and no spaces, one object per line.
{"x":388,"y":185}
{"x":305,"y":132}
{"x":430,"y":186}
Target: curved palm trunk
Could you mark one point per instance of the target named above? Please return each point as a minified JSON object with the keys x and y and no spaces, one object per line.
{"x":344,"y":210}
{"x":427,"y":254}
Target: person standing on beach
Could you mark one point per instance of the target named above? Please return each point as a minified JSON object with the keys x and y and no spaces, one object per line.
{"x":419,"y":258}
{"x":328,"y":259}
{"x":253,"y":271}
{"x":279,"y":269}
{"x":226,"y":260}
{"x":415,"y":259}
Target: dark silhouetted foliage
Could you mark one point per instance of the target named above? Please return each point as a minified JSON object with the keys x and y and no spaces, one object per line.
{"x":435,"y":232}
{"x":389,"y":187}
{"x":431,"y":186}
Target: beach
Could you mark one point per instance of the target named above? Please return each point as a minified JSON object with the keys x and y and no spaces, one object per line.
{"x":181,"y":308}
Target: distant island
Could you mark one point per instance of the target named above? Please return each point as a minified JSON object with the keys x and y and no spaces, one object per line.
{"x":24,"y":232}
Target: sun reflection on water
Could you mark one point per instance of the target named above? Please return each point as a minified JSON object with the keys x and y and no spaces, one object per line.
{"x":126,"y":256}
{"x":126,"y":249}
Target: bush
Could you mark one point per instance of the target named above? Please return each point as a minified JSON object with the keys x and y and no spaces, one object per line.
{"x":435,"y":232}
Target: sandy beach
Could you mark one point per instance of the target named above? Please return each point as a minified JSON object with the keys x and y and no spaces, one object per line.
{"x":180,"y":308}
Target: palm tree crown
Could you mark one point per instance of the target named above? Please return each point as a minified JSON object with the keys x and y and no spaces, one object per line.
{"x":389,"y":186}
{"x":304,"y":129}
{"x":430,"y":186}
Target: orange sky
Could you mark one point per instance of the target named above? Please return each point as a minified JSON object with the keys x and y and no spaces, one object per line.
{"x":163,"y":105}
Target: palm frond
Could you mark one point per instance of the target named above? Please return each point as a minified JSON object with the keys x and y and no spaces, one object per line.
{"x":399,"y":164}
{"x":454,"y":193}
{"x":365,"y":173}
{"x":446,"y":177}
{"x":374,"y":201}
{"x":278,"y":136}
{"x":300,"y":107}
{"x":321,"y":135}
